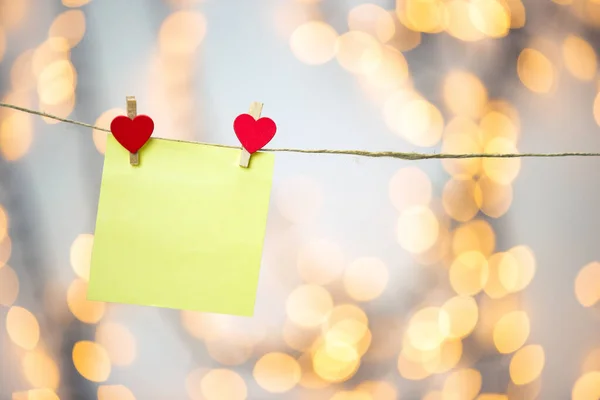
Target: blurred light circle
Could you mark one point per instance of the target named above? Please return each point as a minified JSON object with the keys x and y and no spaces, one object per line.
{"x":580,"y":58}
{"x":182,"y":32}
{"x":372,"y":19}
{"x":409,"y":187}
{"x":475,"y":235}
{"x":22,"y":327}
{"x":490,"y":17}
{"x":308,"y":305}
{"x":320,"y":261}
{"x":511,"y":332}
{"x":56,"y":82}
{"x":313,"y":42}
{"x":418,"y":229}
{"x":89,"y":312}
{"x":460,"y":25}
{"x":12,"y":13}
{"x":469,"y":273}
{"x":40,"y":370}
{"x":392,"y":73}
{"x":527,"y":364}
{"x":81,"y":254}
{"x":587,"y":285}
{"x":501,"y":170}
{"x":2,"y":43}
{"x":461,"y":316}
{"x":16,"y":136}
{"x":497,"y":124}
{"x":69,"y":25}
{"x":422,"y":123}
{"x":496,"y":198}
{"x":104,"y":120}
{"x":75,"y":3}
{"x":277,"y":372}
{"x":9,"y":286}
{"x":336,"y":362}
{"x":219,"y":384}
{"x":114,"y":392}
{"x":587,"y":387}
{"x":358,"y":52}
{"x":535,"y":71}
{"x":411,"y":370}
{"x":461,"y":199}
{"x":425,"y":15}
{"x":119,"y":342}
{"x":428,"y":328}
{"x":365,"y":279}
{"x":40,"y":394}
{"x":91,"y":360}
{"x":506,"y":262}
{"x":464,"y":94}
{"x":462,"y":384}
{"x":517,"y":276}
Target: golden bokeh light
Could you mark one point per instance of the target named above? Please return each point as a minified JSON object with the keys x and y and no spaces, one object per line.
{"x":372,"y":19}
{"x":462,"y":135}
{"x":41,"y":394}
{"x":118,"y":341}
{"x":84,"y":310}
{"x":277,"y":372}
{"x":587,"y":284}
{"x":308,"y":305}
{"x":477,"y":235}
{"x":460,"y":24}
{"x":344,"y":312}
{"x":587,"y":387}
{"x":229,"y":348}
{"x":535,"y":71}
{"x":81,"y":254}
{"x":460,"y":199}
{"x":492,"y":396}
{"x":365,"y":279}
{"x":114,"y":392}
{"x":91,"y":360}
{"x":421,"y":123}
{"x":495,"y":198}
{"x":299,"y":199}
{"x":47,"y":53}
{"x":592,"y":361}
{"x":23,"y":328}
{"x":506,"y":262}
{"x":103,"y":121}
{"x":462,"y":384}
{"x":411,"y":370}
{"x":12,"y":13}
{"x":490,"y":17}
{"x":310,"y":379}
{"x":336,"y":361}
{"x":9,"y":286}
{"x":75,"y":3}
{"x":511,"y":332}
{"x":580,"y":58}
{"x":527,"y":364}
{"x":57,"y":82}
{"x":223,"y":384}
{"x":350,"y":395}
{"x":392,"y":73}
{"x":497,"y":124}
{"x":358,"y":52}
{"x":463,"y":314}
{"x":61,"y":110}
{"x":423,"y":15}
{"x":517,"y":276}
{"x":313,"y":42}
{"x":40,"y":370}
{"x":2,"y":43}
{"x":378,"y":390}
{"x":298,"y":338}
{"x":4,"y":224}
{"x":351,"y":332}
{"x":320,"y":261}
{"x":464,"y":94}
{"x":16,"y":135}
{"x":193,"y":383}
{"x":69,"y":25}
{"x":469,"y":273}
{"x":418,"y":229}
{"x":409,"y":187}
{"x":428,"y":328}
{"x":502,"y":171}
{"x":596,"y":109}
{"x":182,"y":32}
{"x":405,"y":39}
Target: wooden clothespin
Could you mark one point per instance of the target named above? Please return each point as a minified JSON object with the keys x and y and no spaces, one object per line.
{"x":255,"y":111}
{"x":134,"y":158}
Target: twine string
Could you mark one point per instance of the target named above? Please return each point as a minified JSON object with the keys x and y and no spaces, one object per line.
{"x":360,"y":153}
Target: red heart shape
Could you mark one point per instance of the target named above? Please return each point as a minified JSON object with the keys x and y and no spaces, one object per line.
{"x":254,"y":134}
{"x":132,"y":133}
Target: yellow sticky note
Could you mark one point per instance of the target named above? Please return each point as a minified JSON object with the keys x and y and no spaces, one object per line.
{"x":184,"y":229}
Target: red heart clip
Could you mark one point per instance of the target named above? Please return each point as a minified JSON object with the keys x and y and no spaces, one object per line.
{"x":132,"y":133}
{"x":254,"y":134}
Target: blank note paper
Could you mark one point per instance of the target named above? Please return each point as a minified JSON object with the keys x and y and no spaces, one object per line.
{"x":184,"y":229}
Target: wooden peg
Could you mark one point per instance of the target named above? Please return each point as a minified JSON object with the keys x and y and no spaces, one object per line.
{"x":255,"y":111}
{"x":134,"y":158}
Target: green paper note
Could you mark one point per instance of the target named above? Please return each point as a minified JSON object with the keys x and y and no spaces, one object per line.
{"x":184,"y":229}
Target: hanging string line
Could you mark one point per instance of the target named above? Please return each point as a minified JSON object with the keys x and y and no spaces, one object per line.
{"x":360,"y":153}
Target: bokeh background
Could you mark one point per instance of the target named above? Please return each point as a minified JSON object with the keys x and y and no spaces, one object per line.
{"x":381,"y":279}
